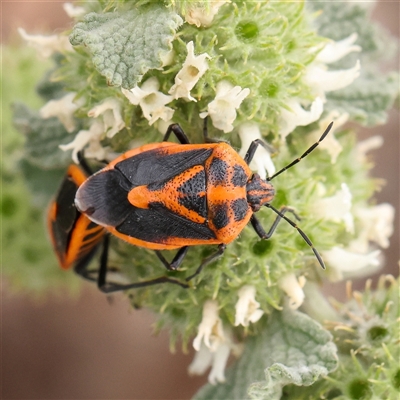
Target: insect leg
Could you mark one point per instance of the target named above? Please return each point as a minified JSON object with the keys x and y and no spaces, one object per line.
{"x":84,"y":165}
{"x":108,"y":287}
{"x":260,"y":230}
{"x":253,"y":147}
{"x":303,"y":235}
{"x":208,"y":260}
{"x":179,"y":133}
{"x":81,"y":268}
{"x":177,"y":260}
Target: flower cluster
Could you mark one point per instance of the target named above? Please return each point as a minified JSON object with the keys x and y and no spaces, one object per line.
{"x":256,"y":71}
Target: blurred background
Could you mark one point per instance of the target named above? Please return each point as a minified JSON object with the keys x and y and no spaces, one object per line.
{"x":86,"y":348}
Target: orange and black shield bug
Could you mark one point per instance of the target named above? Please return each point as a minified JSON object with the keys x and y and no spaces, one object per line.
{"x":74,"y":236}
{"x":165,"y":196}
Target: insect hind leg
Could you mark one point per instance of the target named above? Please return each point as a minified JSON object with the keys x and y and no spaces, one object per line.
{"x":110,"y":287}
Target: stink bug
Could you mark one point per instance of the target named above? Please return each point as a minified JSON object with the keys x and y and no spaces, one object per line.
{"x":76,"y":238}
{"x":165,"y":196}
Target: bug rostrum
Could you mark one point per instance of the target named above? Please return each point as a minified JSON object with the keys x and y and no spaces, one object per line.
{"x":166,"y":196}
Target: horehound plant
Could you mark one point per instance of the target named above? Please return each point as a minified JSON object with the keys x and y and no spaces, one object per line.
{"x":276,"y":70}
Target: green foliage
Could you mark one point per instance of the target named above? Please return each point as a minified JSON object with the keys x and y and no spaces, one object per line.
{"x":368,"y":99}
{"x":267,"y":48}
{"x":125,"y":45}
{"x":366,"y":334}
{"x":43,"y":136}
{"x":292,"y":349}
{"x":28,"y":261}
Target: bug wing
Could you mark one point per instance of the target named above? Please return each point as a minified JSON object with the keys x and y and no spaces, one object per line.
{"x":104,"y":196}
{"x":65,"y":215}
{"x":159,"y":165}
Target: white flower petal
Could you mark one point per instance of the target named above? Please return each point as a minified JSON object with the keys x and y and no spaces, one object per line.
{"x":334,"y":51}
{"x":192,"y":70}
{"x":337,"y":207}
{"x":202,"y":360}
{"x":216,"y":358}
{"x":83,"y":137}
{"x":298,"y":116}
{"x":199,"y":16}
{"x":349,"y":261}
{"x":210,"y":330}
{"x":293,"y":288}
{"x":321,"y":80}
{"x":330,"y":143}
{"x":151,"y":100}
{"x":262,"y":162}
{"x":364,"y":146}
{"x":221,"y":355}
{"x":110,"y":111}
{"x":63,"y":109}
{"x":222,"y":110}
{"x":47,"y":45}
{"x":377,"y":223}
{"x":247,"y":308}
{"x":73,"y":11}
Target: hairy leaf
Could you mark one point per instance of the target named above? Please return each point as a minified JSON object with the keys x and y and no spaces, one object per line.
{"x":125,"y":45}
{"x":292,"y":349}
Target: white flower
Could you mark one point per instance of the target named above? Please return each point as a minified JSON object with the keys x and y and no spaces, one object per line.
{"x":364,"y":146}
{"x":110,"y":112}
{"x":192,"y":70}
{"x":73,"y":11}
{"x":295,"y":115}
{"x":210,"y":329}
{"x":247,"y":308}
{"x":261,"y":162}
{"x":334,"y":51}
{"x":321,"y":80}
{"x":376,"y":224}
{"x":293,"y":287}
{"x":63,"y":109}
{"x":85,"y":137}
{"x":330,"y":144}
{"x":222,"y":110}
{"x":200,"y":16}
{"x":151,"y":100}
{"x":46,"y":45}
{"x":204,"y":358}
{"x":107,"y":121}
{"x":213,"y":345}
{"x":337,"y":207}
{"x":350,"y":262}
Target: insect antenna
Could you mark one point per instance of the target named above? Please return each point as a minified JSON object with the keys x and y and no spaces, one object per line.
{"x":303,"y":235}
{"x":306,"y":153}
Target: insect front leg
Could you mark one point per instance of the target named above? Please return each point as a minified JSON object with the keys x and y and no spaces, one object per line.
{"x":179,"y":133}
{"x":252,"y":149}
{"x":260,"y":230}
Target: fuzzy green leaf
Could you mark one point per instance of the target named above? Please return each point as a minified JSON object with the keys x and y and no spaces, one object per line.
{"x":367,"y":100}
{"x":43,"y":137}
{"x":292,"y":349}
{"x":125,"y":45}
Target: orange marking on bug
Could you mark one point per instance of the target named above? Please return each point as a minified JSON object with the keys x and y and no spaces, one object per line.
{"x":77,"y":241}
{"x":169,"y":195}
